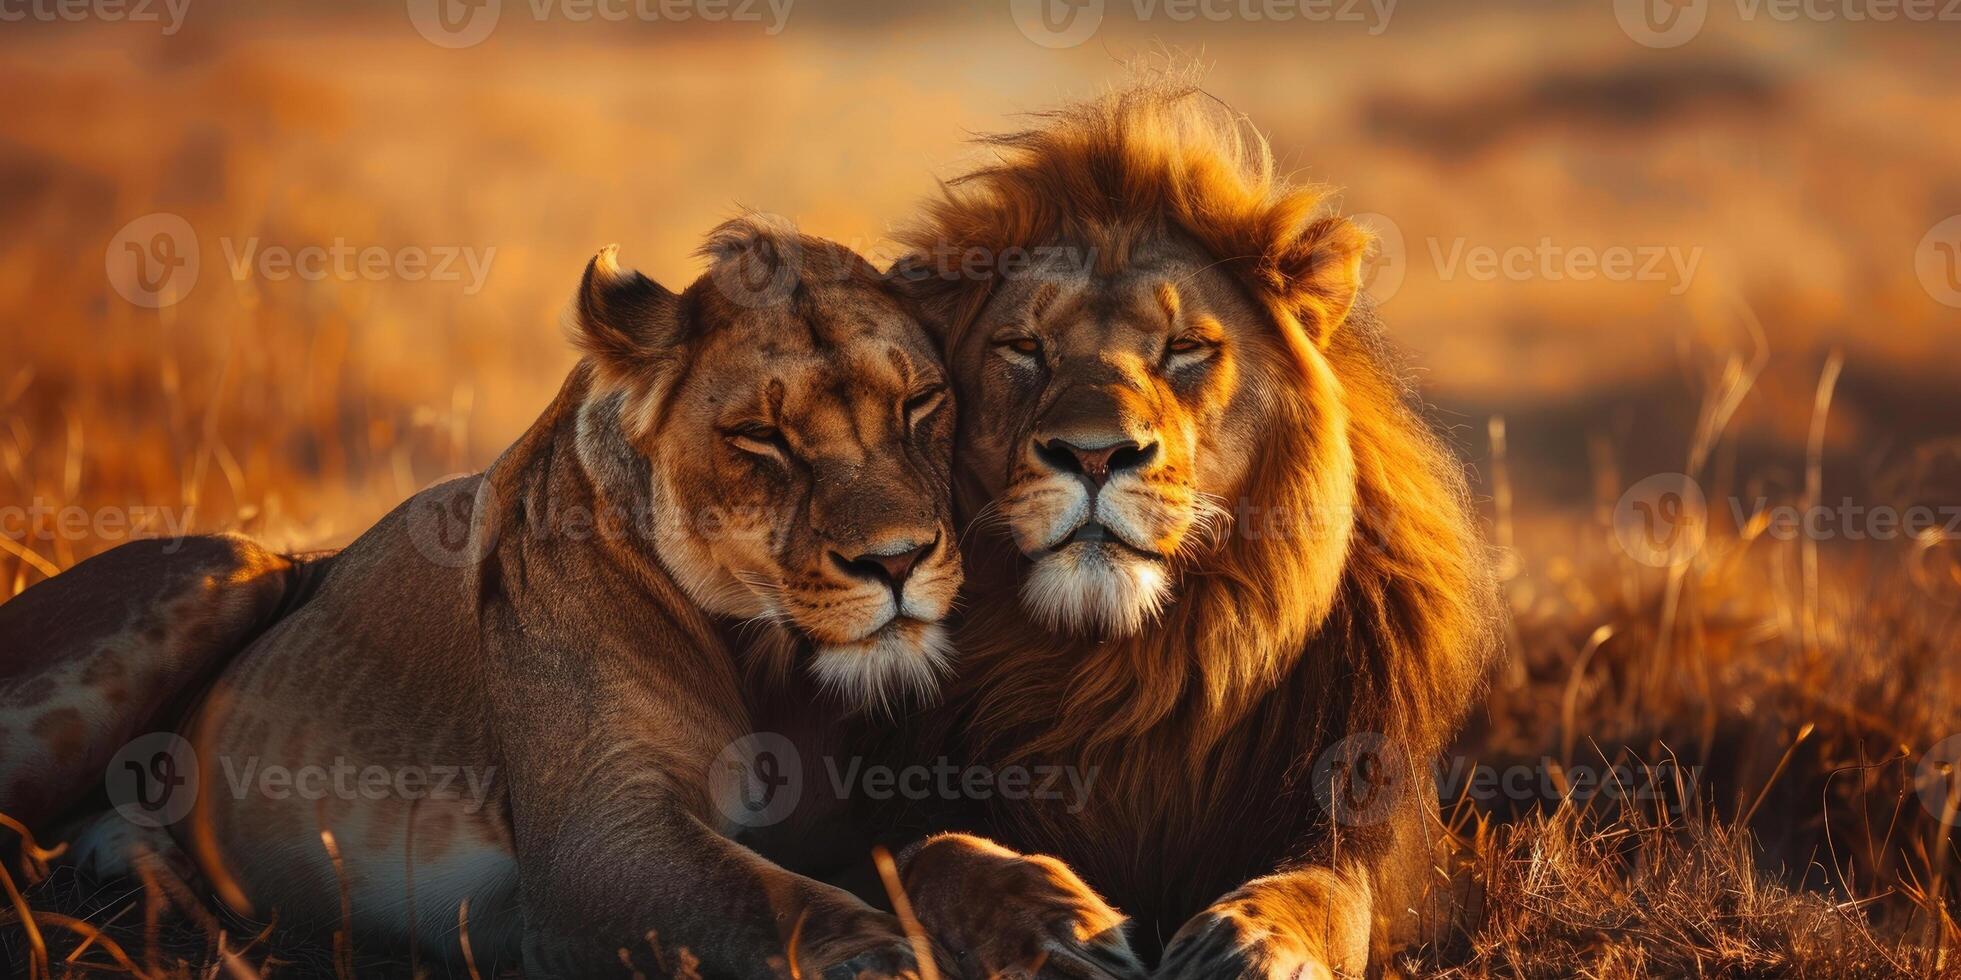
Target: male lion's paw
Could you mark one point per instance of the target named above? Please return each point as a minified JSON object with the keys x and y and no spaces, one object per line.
{"x":1008,"y":915}
{"x":857,"y":942}
{"x":1230,"y":941}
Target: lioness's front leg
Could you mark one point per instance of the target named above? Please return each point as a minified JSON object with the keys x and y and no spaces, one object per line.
{"x":1004,"y":914}
{"x":1310,"y":923}
{"x":608,"y":757}
{"x":664,"y":891}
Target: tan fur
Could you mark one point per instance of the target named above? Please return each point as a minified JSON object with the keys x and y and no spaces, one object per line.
{"x":558,"y":628}
{"x":1335,"y":583}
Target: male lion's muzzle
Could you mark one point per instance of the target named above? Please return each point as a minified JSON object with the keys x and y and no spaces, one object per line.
{"x":1097,"y":504}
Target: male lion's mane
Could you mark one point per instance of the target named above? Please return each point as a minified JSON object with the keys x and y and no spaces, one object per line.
{"x":1278,"y":644}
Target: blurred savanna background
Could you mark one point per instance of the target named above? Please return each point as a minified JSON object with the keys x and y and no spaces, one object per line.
{"x":1674,"y":276}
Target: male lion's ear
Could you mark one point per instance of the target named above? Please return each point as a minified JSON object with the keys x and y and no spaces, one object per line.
{"x":1319,"y":273}
{"x":629,"y":325}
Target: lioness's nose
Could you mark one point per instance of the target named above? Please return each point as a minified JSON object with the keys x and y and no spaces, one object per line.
{"x":1098,"y":463}
{"x":891,"y":567}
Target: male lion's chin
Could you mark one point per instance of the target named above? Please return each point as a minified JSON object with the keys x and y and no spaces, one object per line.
{"x":1096,"y":587}
{"x":901,"y":663}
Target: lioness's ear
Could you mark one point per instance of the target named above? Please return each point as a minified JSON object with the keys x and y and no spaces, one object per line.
{"x":1319,"y":273}
{"x":631,"y":327}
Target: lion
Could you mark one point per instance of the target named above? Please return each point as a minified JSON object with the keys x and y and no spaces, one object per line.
{"x":539,"y":662}
{"x":1217,"y":557}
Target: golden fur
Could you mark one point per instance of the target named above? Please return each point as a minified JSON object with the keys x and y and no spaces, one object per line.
{"x":1368,"y":609}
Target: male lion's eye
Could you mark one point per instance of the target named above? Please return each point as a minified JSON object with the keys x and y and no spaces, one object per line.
{"x":759,"y":440}
{"x":919,"y":406}
{"x":1186,"y":351}
{"x":1024,"y":346}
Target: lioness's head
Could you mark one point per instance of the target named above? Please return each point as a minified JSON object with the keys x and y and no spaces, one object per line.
{"x":799,"y":429}
{"x":1150,"y":303}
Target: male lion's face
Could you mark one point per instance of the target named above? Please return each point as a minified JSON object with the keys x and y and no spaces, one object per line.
{"x":1109,"y":418}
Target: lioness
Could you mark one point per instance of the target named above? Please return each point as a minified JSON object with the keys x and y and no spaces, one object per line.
{"x":770,"y":446}
{"x":1219,"y":559}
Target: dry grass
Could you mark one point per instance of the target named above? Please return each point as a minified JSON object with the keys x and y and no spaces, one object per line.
{"x":1800,"y":684}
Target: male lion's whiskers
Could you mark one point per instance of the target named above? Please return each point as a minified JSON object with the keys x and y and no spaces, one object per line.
{"x":989,"y":516}
{"x":1212,"y":524}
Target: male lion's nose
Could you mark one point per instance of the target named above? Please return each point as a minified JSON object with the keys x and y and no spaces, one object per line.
{"x":1098,"y":463}
{"x":890,"y":567}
